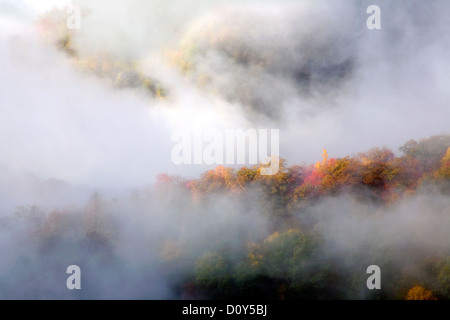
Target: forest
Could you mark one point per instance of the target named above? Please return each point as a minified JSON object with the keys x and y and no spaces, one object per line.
{"x":92,"y":92}
{"x":307,"y":232}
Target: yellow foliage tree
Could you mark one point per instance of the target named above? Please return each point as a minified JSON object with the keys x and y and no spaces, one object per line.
{"x":324,"y":161}
{"x":444,"y":170}
{"x":419,"y":293}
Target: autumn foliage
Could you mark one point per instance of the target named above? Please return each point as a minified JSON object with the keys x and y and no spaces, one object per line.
{"x":204,"y":238}
{"x":377,"y":175}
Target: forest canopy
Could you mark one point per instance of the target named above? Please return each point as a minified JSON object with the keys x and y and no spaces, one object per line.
{"x":237,"y":234}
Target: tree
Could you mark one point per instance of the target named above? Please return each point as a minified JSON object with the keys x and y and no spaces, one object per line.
{"x":444,"y":278}
{"x":340,"y":174}
{"x":444,"y":170}
{"x":428,"y":152}
{"x":419,"y":293}
{"x":375,"y":167}
{"x":213,"y":274}
{"x":409,"y":148}
{"x":405,"y":173}
{"x":214,"y":181}
{"x":245,"y":176}
{"x":283,"y":255}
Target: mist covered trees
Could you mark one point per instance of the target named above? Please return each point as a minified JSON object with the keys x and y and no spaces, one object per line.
{"x":290,"y":262}
{"x":377,"y":174}
{"x":120,"y":72}
{"x":306,"y":232}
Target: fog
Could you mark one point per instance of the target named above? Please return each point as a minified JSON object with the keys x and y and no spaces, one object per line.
{"x":311,"y":69}
{"x":314,"y":71}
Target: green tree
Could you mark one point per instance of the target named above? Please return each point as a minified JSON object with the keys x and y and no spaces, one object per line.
{"x":214,"y":274}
